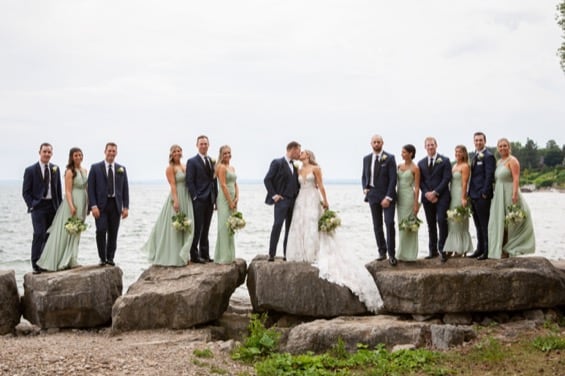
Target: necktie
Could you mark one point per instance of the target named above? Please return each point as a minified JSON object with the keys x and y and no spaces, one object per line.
{"x":376,"y":169}
{"x":431,"y":164}
{"x":291,"y":166}
{"x":46,"y":180}
{"x":110,"y":181}
{"x":208,"y":164}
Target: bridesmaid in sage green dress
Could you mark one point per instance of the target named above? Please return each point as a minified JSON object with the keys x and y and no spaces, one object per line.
{"x":458,"y":240}
{"x":514,"y":239}
{"x":408,"y":192}
{"x":167,"y":246}
{"x":226,"y":203}
{"x":61,"y":249}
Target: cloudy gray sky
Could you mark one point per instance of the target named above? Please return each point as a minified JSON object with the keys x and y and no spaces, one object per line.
{"x":256,"y":74}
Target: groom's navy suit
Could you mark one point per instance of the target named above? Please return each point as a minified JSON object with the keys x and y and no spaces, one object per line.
{"x":203,"y":190}
{"x":281,"y":180}
{"x":481,"y":192}
{"x":41,"y":207}
{"x":436,"y":179}
{"x":110,"y":208}
{"x":383,"y":185}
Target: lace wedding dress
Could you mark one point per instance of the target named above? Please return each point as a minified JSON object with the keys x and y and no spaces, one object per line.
{"x":325,"y":251}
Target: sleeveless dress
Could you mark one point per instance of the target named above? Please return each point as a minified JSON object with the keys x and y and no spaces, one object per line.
{"x":167,"y":246}
{"x":516,"y":239}
{"x":458,"y":236}
{"x":408,"y":240}
{"x":225,"y":245}
{"x":325,"y":251}
{"x":61,"y":249}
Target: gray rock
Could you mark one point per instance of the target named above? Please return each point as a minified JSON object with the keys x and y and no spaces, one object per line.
{"x":25,"y":328}
{"x":535,"y":315}
{"x":75,"y":298}
{"x":296,"y":289}
{"x":464,"y":285}
{"x":10,"y":309}
{"x":446,"y":336}
{"x":178,"y":297}
{"x":458,"y":318}
{"x":235,"y":325}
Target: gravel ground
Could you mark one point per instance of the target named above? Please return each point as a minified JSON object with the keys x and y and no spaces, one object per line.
{"x":90,"y":352}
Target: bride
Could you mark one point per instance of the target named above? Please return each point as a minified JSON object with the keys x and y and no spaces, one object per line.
{"x":323,"y":250}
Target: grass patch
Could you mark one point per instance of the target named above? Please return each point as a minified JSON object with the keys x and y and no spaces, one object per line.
{"x":549,"y":343}
{"x":261,"y":341}
{"x":206,"y":353}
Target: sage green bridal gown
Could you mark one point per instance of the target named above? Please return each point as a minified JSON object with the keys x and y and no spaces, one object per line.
{"x":408,"y":240}
{"x":458,"y":236}
{"x":514,"y":239}
{"x":167,"y":246}
{"x":225,"y":244}
{"x":61,"y":249}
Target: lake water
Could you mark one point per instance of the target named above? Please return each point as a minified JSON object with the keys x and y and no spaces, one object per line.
{"x":147,"y":199}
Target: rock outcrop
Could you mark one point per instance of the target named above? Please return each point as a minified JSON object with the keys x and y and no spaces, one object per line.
{"x":468,"y":285}
{"x":296,"y":289}
{"x":10,"y":310}
{"x":76,"y":298}
{"x":178,"y":297}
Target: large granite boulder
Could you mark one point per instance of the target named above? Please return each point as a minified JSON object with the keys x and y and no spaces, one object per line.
{"x":468,"y":285}
{"x":178,"y":297}
{"x":10,"y":310}
{"x":75,"y":298}
{"x":296,"y":289}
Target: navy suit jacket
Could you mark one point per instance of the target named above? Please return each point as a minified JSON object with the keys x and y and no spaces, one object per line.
{"x":200,"y":182}
{"x":281,"y":181}
{"x":33,"y":186}
{"x":482,"y":175}
{"x":385,"y":180}
{"x":98,"y":186}
{"x":437,"y":179}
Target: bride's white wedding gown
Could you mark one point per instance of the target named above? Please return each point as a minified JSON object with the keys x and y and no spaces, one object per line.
{"x":324,"y":251}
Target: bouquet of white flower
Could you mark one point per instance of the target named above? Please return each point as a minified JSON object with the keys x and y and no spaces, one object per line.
{"x":329,"y":221}
{"x":75,"y":225}
{"x":181,"y":223}
{"x":515,"y":215}
{"x":410,"y":223}
{"x":235,"y":222}
{"x":459,"y":213}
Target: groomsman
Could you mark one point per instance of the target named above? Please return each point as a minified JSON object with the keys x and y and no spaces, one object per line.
{"x":481,"y":192}
{"x":201,"y":184}
{"x":42,"y":194}
{"x":435,"y":176}
{"x":379,"y":186}
{"x":282,"y":187}
{"x":108,"y":199}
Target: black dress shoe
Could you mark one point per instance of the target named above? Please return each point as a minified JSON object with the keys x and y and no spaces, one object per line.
{"x":198,"y":260}
{"x":484,"y":256}
{"x":36,"y":271}
{"x":381,"y":258}
{"x":110,"y":262}
{"x":284,"y":258}
{"x":392,"y":261}
{"x":431,"y":256}
{"x":443,"y":257}
{"x":209,"y":260}
{"x":475,"y":254}
{"x":102,"y":263}
{"x":271,"y":259}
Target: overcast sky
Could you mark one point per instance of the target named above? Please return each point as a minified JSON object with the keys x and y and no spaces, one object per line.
{"x":256,"y":74}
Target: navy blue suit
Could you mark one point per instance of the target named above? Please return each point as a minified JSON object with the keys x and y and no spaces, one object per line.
{"x":110,"y":208}
{"x":281,"y":180}
{"x":481,"y":184}
{"x":203,"y":190}
{"x":383,"y":185}
{"x":436,"y":178}
{"x":42,"y":209}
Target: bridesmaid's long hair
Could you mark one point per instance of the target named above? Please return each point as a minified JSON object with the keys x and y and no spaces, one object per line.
{"x":311,"y":157}
{"x":171,"y":150}
{"x":465,"y":154}
{"x":71,"y":163}
{"x":219,"y":161}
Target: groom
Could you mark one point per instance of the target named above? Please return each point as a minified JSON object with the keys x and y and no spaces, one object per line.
{"x":108,"y":199}
{"x":282,"y":186}
{"x":42,"y":194}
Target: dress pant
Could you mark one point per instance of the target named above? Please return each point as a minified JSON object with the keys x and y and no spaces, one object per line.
{"x":41,"y":218}
{"x":107,"y":226}
{"x":203,"y":210}
{"x":283,"y":214}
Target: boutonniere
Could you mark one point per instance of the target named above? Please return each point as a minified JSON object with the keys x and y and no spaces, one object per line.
{"x":439,"y":160}
{"x":120,"y":170}
{"x":480,"y":156}
{"x":295,"y":164}
{"x":383,"y":158}
{"x":213,"y":161}
{"x":54,"y":169}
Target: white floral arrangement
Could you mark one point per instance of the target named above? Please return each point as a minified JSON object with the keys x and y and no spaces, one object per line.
{"x":329,"y":221}
{"x":120,"y":170}
{"x":439,"y":160}
{"x":383,"y":158}
{"x":515,"y":215}
{"x":296,"y":164}
{"x":54,"y":169}
{"x":235,"y":222}
{"x":181,"y":222}
{"x":410,"y":223}
{"x":459,"y":213}
{"x":75,"y":225}
{"x":480,"y":156}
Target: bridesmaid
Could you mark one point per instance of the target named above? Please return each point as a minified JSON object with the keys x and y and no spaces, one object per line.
{"x":514,"y":239}
{"x":408,"y":192}
{"x":167,"y":246}
{"x":61,"y":249}
{"x":458,"y":239}
{"x":226,"y":203}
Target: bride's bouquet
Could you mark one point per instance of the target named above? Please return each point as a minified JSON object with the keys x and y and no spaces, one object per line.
{"x":75,"y":225}
{"x":410,"y":223}
{"x":329,"y":221}
{"x":181,"y":222}
{"x":515,"y":215}
{"x":459,"y":213}
{"x":235,"y":222}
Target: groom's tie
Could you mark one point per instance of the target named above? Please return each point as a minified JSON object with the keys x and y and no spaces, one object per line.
{"x":46,"y":180}
{"x":110,"y":181}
